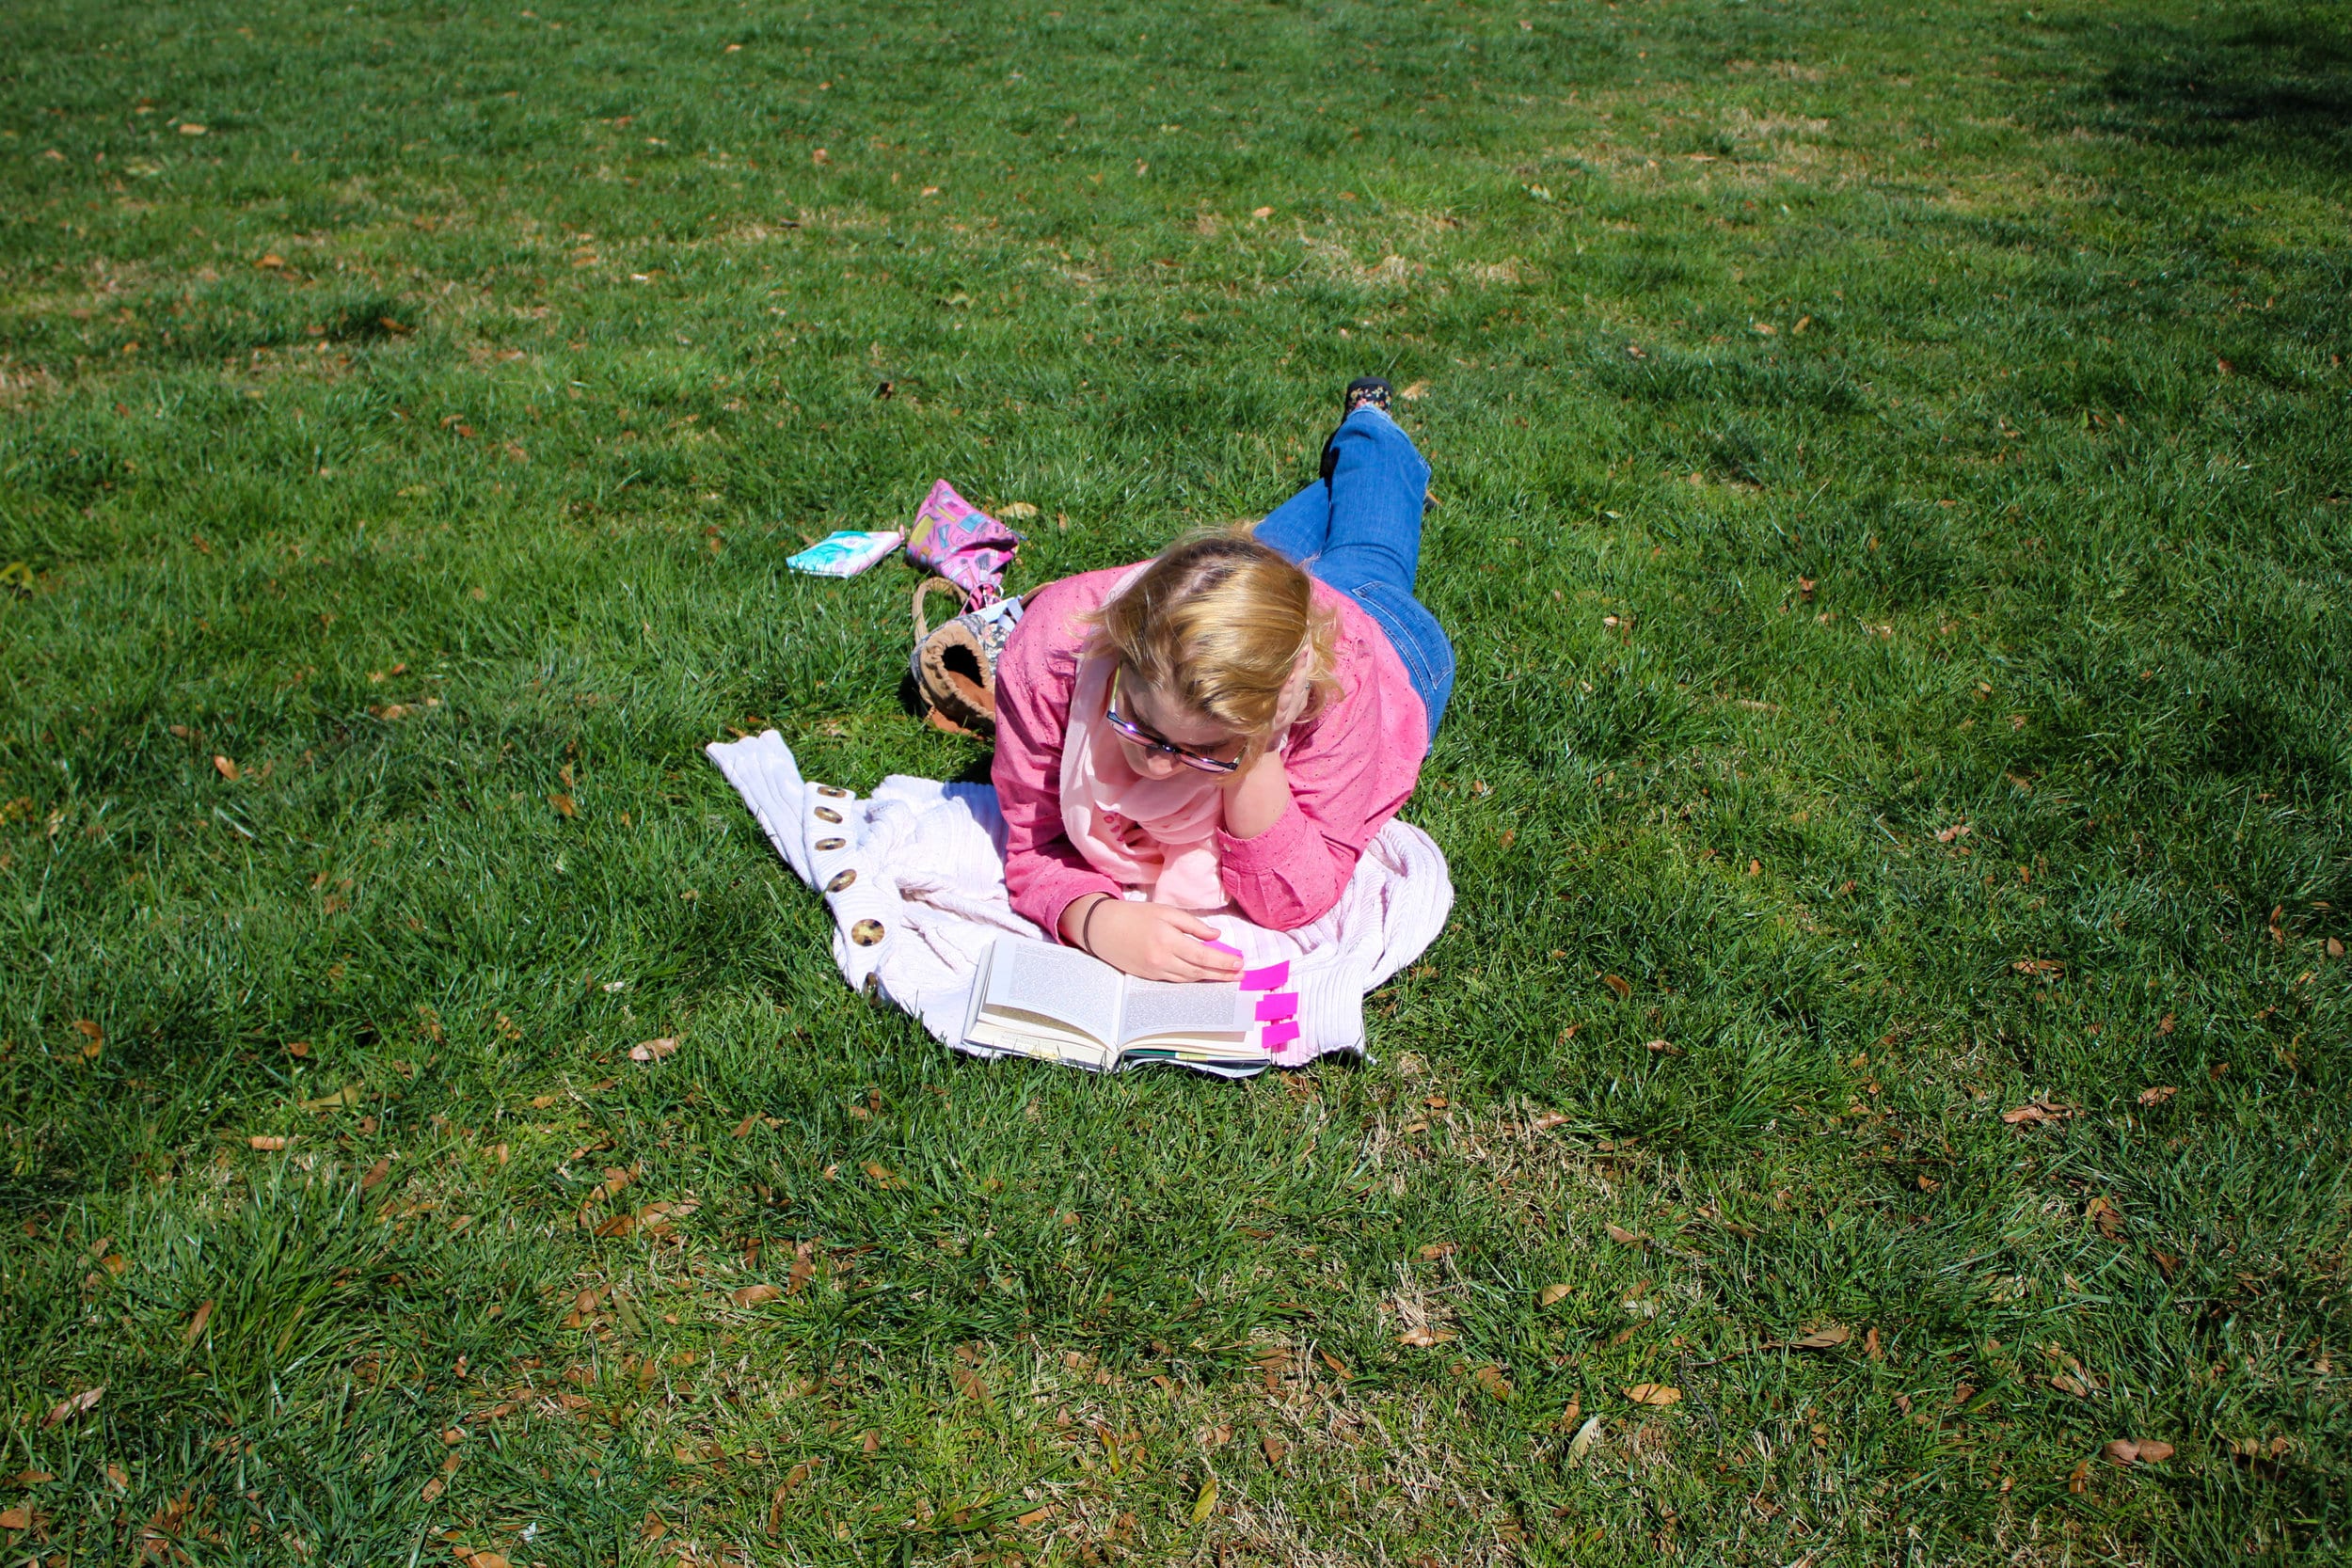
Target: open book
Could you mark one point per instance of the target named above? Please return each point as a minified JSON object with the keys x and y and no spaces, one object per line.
{"x":1036,"y":999}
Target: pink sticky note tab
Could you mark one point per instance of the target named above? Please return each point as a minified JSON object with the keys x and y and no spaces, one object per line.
{"x":1273,"y":976}
{"x":1226,"y":948}
{"x":1277,"y":1036}
{"x":1282,"y":1004}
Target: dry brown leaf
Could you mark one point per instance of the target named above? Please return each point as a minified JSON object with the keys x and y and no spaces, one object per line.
{"x":1619,"y":983}
{"x":2152,"y":1452}
{"x":194,"y":1330}
{"x":1274,"y":1449}
{"x":1492,"y":1379}
{"x":1421,"y":1337}
{"x":1339,"y":1368}
{"x":1826,"y":1338}
{"x":652,"y":1050}
{"x":743,"y":1128}
{"x":66,"y":1409}
{"x":1435,"y":1250}
{"x":2103,"y":1212}
{"x":2073,"y":1386}
{"x":94,"y":1038}
{"x":1551,"y":1293}
{"x":1414,"y":393}
{"x":2158,"y":1094}
{"x":1623,"y":1237}
{"x":433,"y":1489}
{"x":1871,"y":1345}
{"x":1665,"y":1048}
{"x":376,"y":1173}
{"x":562,"y":803}
{"x":18,"y":1517}
{"x":268,"y":1143}
{"x":225,"y":768}
{"x":1582,"y":1440}
{"x":1550,"y":1119}
{"x":751,"y":1295}
{"x":1018,"y":511}
{"x":1658,"y":1394}
{"x":1262,"y":211}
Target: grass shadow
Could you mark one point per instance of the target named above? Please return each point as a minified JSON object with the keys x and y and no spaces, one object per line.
{"x":2275,"y":82}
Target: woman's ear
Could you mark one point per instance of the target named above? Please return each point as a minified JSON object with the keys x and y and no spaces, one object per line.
{"x":1296,"y":689}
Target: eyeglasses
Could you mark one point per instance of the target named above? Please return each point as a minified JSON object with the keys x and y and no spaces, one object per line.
{"x":1151,"y":742}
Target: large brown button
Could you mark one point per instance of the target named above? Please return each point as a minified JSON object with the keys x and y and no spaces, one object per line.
{"x":844,"y":880}
{"x":866,"y":932}
{"x":829,"y":844}
{"x":826,"y":813}
{"x":836,"y":793}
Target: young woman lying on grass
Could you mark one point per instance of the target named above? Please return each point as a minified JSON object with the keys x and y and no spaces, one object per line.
{"x":1226,"y":727}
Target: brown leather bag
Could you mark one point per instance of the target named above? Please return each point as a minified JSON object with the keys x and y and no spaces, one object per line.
{"x":954,"y":665}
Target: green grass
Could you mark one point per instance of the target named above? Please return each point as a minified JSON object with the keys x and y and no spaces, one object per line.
{"x":1894,"y":524}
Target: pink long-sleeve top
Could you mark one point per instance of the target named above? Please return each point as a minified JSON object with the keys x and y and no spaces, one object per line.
{"x":1351,"y":767}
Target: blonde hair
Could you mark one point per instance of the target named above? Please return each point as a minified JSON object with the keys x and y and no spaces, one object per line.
{"x":1219,"y":623}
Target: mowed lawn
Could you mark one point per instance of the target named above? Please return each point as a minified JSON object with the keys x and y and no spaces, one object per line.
{"x":1895,"y":517}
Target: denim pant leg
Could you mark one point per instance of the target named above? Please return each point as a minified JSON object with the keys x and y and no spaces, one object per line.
{"x":1365,"y":530}
{"x":1299,"y":526}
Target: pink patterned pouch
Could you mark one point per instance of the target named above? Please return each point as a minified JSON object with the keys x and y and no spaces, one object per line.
{"x":963,"y":544}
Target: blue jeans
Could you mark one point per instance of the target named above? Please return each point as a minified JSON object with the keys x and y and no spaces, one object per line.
{"x":1362,"y":534}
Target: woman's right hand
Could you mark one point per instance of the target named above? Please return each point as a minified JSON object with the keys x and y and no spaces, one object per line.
{"x":1152,"y":942}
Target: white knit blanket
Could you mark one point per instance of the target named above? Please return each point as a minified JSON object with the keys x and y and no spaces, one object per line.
{"x":914,"y":874}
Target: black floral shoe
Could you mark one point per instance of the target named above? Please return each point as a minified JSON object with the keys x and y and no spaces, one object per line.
{"x":1364,"y":391}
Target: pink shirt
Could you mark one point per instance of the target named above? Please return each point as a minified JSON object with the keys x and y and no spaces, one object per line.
{"x":1351,"y":767}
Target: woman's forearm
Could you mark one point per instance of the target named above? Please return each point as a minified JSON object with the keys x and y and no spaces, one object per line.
{"x":1073,"y":919}
{"x":1258,"y":799}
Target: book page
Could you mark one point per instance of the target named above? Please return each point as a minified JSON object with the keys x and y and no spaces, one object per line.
{"x":1181,"y":1007}
{"x":1071,"y":1050}
{"x":1055,"y":982}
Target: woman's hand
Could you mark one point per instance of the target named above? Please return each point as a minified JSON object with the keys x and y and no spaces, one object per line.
{"x":1152,"y":942}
